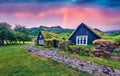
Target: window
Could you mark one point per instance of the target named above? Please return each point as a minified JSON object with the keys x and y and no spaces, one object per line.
{"x":41,"y":42}
{"x":40,"y":36}
{"x":81,"y":40}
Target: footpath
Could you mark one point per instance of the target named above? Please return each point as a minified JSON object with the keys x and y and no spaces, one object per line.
{"x":87,"y":67}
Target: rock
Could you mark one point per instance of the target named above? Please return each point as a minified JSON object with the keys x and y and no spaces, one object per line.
{"x":105,"y":70}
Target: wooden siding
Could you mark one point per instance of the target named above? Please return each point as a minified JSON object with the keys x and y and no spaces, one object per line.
{"x":84,"y":30}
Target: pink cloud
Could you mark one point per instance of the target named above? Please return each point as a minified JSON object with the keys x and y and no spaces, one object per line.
{"x":23,"y":15}
{"x":68,"y":16}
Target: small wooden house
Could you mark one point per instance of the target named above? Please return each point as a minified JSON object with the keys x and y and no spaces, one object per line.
{"x":83,"y":35}
{"x":40,"y":39}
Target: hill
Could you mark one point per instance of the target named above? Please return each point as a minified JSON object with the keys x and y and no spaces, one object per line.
{"x":58,"y":32}
{"x":112,"y":32}
{"x":54,"y":29}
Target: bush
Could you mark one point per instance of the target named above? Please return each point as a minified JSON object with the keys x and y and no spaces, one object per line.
{"x":81,"y":50}
{"x":63,"y":46}
{"x":85,"y":53}
{"x":82,"y":53}
{"x":86,"y":48}
{"x":116,"y":50}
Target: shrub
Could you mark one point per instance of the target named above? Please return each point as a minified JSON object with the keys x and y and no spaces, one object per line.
{"x":81,"y":50}
{"x":86,"y":48}
{"x":63,"y":46}
{"x":116,"y":50}
{"x":118,"y":42}
{"x":82,"y":53}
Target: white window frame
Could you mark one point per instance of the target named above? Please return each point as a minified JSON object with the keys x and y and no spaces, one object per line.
{"x":81,"y":40}
{"x":41,"y":42}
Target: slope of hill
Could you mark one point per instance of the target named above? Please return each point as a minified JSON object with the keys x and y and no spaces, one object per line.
{"x":113,"y":31}
{"x":109,"y":35}
{"x":98,"y":32}
{"x":96,"y":29}
{"x":55,"y":29}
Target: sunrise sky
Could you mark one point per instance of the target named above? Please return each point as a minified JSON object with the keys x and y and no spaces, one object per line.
{"x":101,"y":14}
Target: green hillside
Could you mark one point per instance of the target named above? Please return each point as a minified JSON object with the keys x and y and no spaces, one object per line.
{"x":56,"y":30}
{"x":60,"y":33}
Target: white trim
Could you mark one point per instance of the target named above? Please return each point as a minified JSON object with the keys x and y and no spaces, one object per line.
{"x":81,"y":40}
{"x":41,"y":42}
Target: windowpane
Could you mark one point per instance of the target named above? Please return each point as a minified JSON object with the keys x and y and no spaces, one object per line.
{"x":81,"y":40}
{"x":84,"y":41}
{"x":40,"y":41}
{"x":78,"y":41}
{"x":40,"y":36}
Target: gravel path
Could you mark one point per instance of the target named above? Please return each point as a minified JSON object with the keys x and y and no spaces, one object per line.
{"x":88,"y":67}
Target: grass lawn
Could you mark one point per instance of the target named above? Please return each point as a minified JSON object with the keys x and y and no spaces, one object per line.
{"x":15,"y":60}
{"x":103,"y":61}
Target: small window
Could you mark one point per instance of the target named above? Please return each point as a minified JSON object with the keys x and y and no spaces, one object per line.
{"x":81,"y":40}
{"x":40,"y":36}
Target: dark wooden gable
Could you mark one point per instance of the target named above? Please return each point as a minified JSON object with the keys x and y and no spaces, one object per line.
{"x":82,"y":29}
{"x":40,"y":39}
{"x":40,"y":34}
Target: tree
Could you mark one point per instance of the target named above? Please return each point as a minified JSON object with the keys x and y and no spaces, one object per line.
{"x":4,"y":29}
{"x":22,"y":33}
{"x":12,"y":37}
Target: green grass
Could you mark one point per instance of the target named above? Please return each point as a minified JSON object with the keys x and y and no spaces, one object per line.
{"x":88,"y":47}
{"x":103,"y":61}
{"x":15,"y":60}
{"x":112,"y":37}
{"x":43,"y":47}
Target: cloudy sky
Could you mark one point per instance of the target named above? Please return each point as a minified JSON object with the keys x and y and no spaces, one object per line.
{"x":101,"y":14}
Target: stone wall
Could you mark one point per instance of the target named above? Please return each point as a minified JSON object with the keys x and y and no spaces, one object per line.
{"x":87,"y":67}
{"x":104,"y":45}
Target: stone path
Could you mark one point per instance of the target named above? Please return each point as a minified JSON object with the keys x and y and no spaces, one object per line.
{"x":88,"y":67}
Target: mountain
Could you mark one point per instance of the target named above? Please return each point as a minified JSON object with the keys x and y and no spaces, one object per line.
{"x":96,"y":29}
{"x":51,"y":28}
{"x":112,"y":31}
{"x":98,"y":32}
{"x":55,"y":29}
{"x":43,"y":27}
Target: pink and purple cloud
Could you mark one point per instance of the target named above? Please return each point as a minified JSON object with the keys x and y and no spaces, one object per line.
{"x":63,"y":13}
